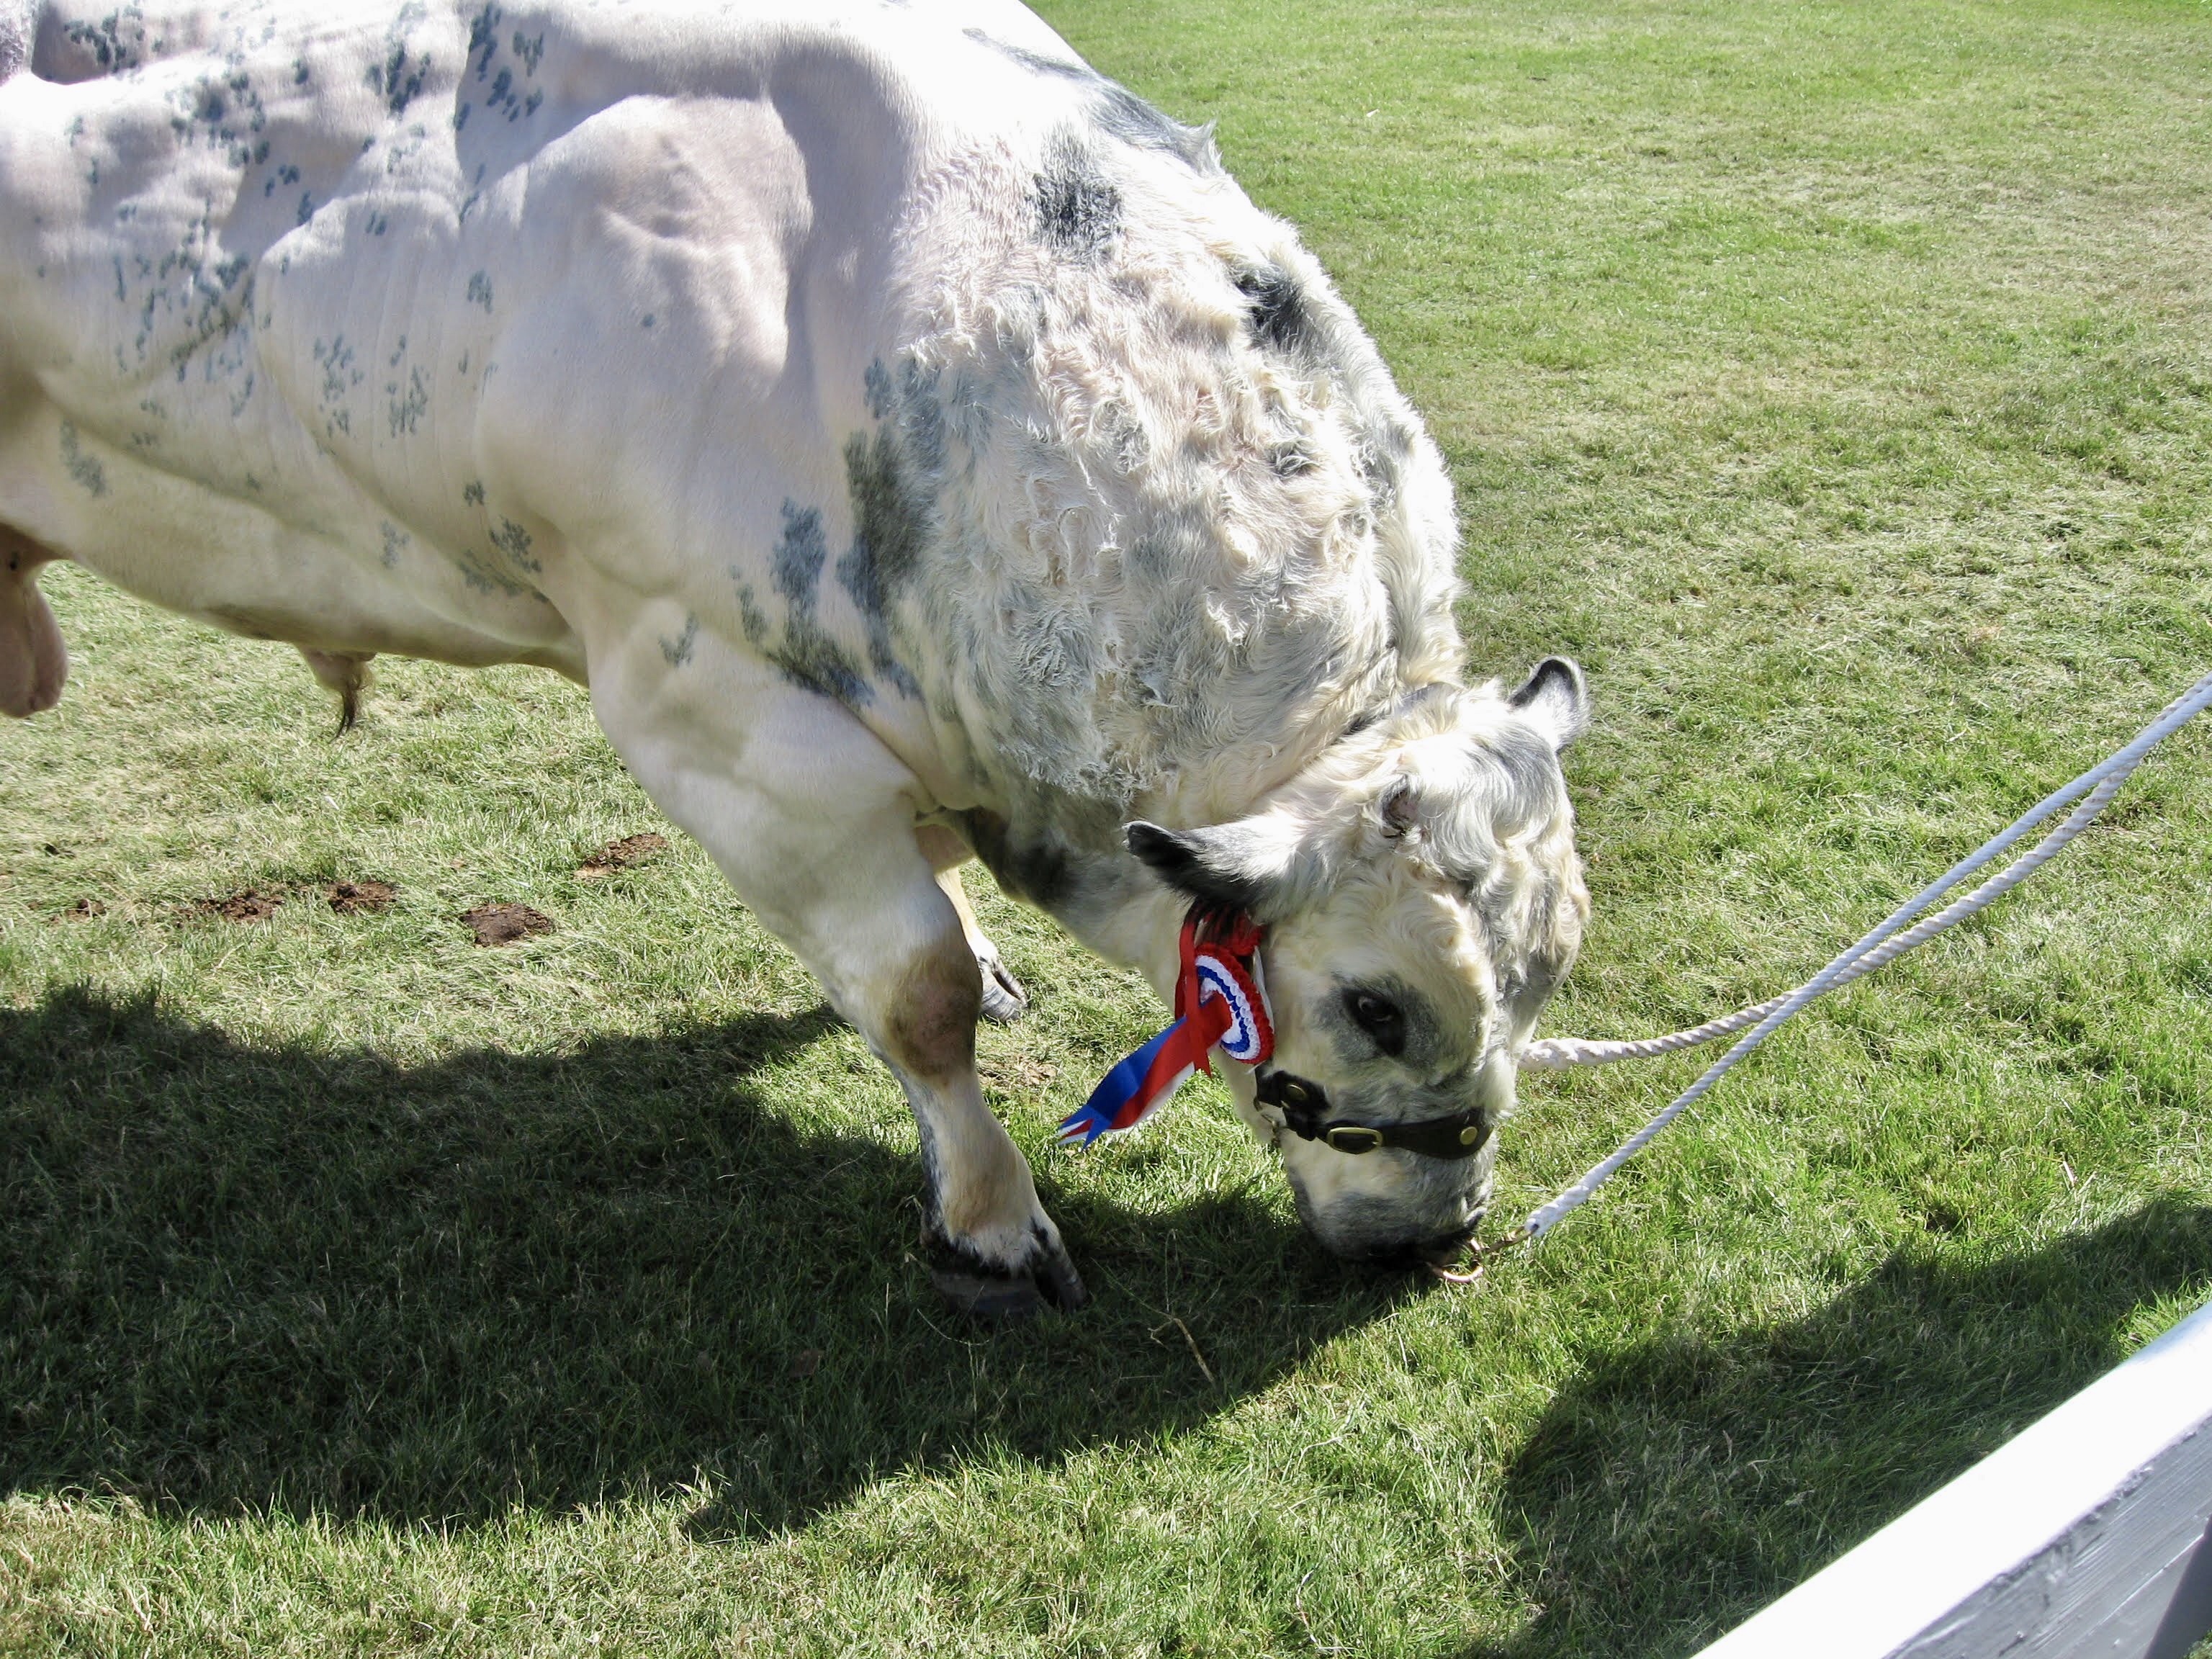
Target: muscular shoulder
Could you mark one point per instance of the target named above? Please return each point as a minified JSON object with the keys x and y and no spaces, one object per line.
{"x":1186,"y":522}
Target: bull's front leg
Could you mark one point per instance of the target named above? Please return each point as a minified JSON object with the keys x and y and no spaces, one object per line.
{"x":998,"y":1253}
{"x":814,"y":822}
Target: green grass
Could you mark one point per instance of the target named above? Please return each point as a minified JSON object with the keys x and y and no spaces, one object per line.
{"x":1834,"y":380}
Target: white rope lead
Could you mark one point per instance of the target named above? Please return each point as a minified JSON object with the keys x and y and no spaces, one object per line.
{"x":2093,"y":789}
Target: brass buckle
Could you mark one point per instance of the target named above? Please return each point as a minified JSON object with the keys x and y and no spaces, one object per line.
{"x":1354,"y":1138}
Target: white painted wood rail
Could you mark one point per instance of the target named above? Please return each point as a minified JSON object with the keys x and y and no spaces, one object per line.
{"x":2084,"y":1534}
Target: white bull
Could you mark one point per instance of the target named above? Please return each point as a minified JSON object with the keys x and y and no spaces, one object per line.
{"x":917,"y":444}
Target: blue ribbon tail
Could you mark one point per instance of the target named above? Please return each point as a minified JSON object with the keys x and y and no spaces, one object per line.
{"x":1112,"y":1096}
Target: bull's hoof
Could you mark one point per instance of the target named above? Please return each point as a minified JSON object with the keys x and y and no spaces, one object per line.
{"x":1002,"y":1297}
{"x":1003,"y":1000}
{"x":999,"y":1300}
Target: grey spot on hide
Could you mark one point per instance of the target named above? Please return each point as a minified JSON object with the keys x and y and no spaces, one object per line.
{"x":483,"y":576}
{"x":84,"y":468}
{"x":1151,"y":561}
{"x":400,"y":77}
{"x":479,"y":291}
{"x":800,"y":553}
{"x":1078,"y":211}
{"x":483,"y":40}
{"x":876,"y":388}
{"x":1274,"y":310}
{"x":676,"y":653}
{"x":891,"y":481}
{"x":340,"y":375}
{"x":806,"y":654}
{"x":408,"y":409}
{"x":889,"y":532}
{"x":395,"y":541}
{"x":751,"y":617}
{"x":512,"y":539}
{"x":1037,"y":870}
{"x":116,"y":43}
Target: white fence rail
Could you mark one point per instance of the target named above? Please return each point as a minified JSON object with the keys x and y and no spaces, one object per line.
{"x":2084,"y":1534}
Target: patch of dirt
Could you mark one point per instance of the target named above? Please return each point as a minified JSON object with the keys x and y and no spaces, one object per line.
{"x":1017,"y":1073}
{"x":252,"y":905}
{"x":805,"y":1362}
{"x":360,"y":898}
{"x":83,"y":910}
{"x":620,"y":855}
{"x":503,"y":924}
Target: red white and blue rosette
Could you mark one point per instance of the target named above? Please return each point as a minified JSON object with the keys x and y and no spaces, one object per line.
{"x":1223,"y":1004}
{"x":1250,"y":1034}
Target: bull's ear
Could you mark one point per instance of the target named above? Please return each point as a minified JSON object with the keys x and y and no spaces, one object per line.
{"x":1556,"y":700}
{"x":1237,"y":867}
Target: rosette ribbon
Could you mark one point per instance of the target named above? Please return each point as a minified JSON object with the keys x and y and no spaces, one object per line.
{"x":1220,"y":1001}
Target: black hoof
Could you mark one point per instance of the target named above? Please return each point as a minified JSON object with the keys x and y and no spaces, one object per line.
{"x":1062,"y":1284}
{"x":1000,"y":1300}
{"x":1002,"y":1297}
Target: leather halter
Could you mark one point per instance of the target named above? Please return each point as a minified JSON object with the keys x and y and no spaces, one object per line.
{"x":1304,"y":1106}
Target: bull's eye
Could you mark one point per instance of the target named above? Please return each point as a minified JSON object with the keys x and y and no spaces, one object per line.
{"x":1379,"y":1017}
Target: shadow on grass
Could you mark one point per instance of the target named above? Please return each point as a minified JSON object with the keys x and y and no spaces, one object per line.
{"x":1676,"y":1486}
{"x":237,"y":1278}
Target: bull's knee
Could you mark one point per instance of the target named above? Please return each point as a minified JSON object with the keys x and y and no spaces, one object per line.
{"x":33,"y":661}
{"x":930,"y":1031}
{"x":981,"y":1191}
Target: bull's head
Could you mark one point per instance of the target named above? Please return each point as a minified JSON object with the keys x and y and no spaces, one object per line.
{"x":1422,"y":895}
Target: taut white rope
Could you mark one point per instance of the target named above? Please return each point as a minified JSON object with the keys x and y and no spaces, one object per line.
{"x":2093,"y":789}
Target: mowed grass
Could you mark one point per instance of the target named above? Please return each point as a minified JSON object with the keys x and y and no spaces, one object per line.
{"x":1835,"y":381}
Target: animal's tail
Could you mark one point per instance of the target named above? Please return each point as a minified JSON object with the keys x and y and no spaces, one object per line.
{"x":345,"y":672}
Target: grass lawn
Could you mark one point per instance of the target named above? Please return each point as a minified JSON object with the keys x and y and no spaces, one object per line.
{"x":1834,"y":380}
